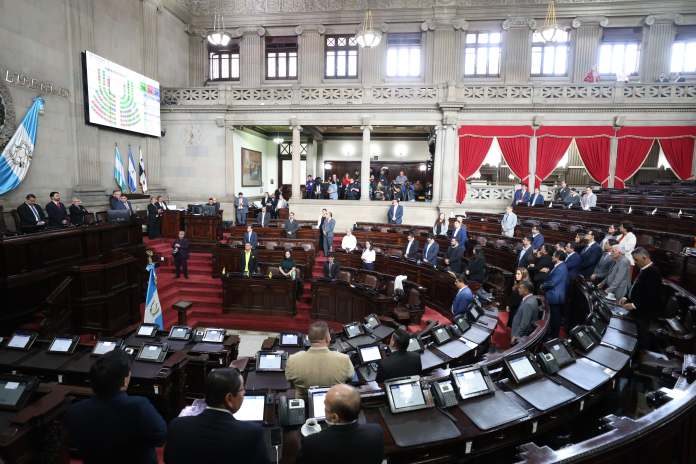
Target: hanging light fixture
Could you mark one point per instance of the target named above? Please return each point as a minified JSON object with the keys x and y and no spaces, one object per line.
{"x":550,"y":28}
{"x":278,"y":139}
{"x":367,"y":35}
{"x":218,"y":37}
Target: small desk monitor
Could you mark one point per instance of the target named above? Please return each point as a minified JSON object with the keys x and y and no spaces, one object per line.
{"x":369,"y":353}
{"x":353,"y":330}
{"x":21,"y":340}
{"x":372,"y":321}
{"x":441,"y":335}
{"x":103,"y":346}
{"x":15,"y":391}
{"x":462,"y":322}
{"x":522,"y":367}
{"x":415,"y":344}
{"x":147,"y":330}
{"x":316,"y":397}
{"x":118,"y":216}
{"x":583,"y":338}
{"x":270,"y":361}
{"x":292,"y":339}
{"x":64,"y":345}
{"x":405,"y":394}
{"x":474,"y":313}
{"x":472,"y":381}
{"x":559,"y":351}
{"x":253,"y":408}
{"x":152,"y":352}
{"x":213,"y":335}
{"x":180,"y":332}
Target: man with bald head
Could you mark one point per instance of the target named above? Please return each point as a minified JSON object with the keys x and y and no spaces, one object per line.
{"x":345,"y":440}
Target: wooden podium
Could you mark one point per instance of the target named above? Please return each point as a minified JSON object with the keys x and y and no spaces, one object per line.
{"x":172,"y":223}
{"x":203,"y":228}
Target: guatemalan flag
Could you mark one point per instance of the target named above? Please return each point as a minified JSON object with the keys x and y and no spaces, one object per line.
{"x":143,"y":178}
{"x":17,"y":155}
{"x":153,"y":309}
{"x":118,"y":170}
{"x":132,"y":176}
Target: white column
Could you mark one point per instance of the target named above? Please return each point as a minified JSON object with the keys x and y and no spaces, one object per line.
{"x":613,"y":153}
{"x":230,"y":168}
{"x":198,"y":57}
{"x":296,"y":157}
{"x":151,"y":11}
{"x":517,"y":51}
{"x":365,"y":161}
{"x":450,"y":165}
{"x":588,"y":36}
{"x":311,"y":159}
{"x":310,"y":53}
{"x":251,"y":56}
{"x":532,"y":160}
{"x":657,"y":45}
{"x":445,"y":37}
{"x":437,"y":163}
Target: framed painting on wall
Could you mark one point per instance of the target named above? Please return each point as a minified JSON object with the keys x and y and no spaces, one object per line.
{"x":251,"y":168}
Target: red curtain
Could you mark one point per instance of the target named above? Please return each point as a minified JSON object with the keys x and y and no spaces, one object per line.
{"x":472,"y":151}
{"x":552,"y":144}
{"x":516,"y":153}
{"x":631,"y":155}
{"x":680,"y":155}
{"x":594,"y":152}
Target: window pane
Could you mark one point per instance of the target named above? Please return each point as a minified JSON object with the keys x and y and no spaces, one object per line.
{"x":690,"y":57}
{"x":234,"y":72}
{"x":331,"y":41}
{"x":536,"y":60}
{"x":341,"y":63}
{"x":330,"y":64}
{"x":282,"y":64}
{"x":536,"y":37}
{"x":471,"y":38}
{"x":481,"y":55}
{"x":353,"y":63}
{"x":494,"y":61}
{"x":549,"y":53}
{"x":415,"y":61}
{"x":494,"y":37}
{"x":271,"y":65}
{"x":292,"y":71}
{"x":403,"y":62}
{"x":678,"y":49}
{"x":604,"y":59}
{"x":225,"y":69}
{"x":483,"y":38}
{"x":561,"y":59}
{"x":214,"y":67}
{"x":561,"y":36}
{"x":391,"y":62}
{"x":352,"y":42}
{"x":631,"y":58}
{"x":470,"y":61}
{"x":342,"y":41}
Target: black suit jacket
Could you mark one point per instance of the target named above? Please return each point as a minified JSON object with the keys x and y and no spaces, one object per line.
{"x":214,"y":437}
{"x":331,"y":272}
{"x":645,"y":293}
{"x":455,"y":256}
{"x":291,"y":228}
{"x":56,"y":214}
{"x":477,"y":270}
{"x":77,"y":215}
{"x":27,"y":218}
{"x":152,"y":212}
{"x":252,"y":262}
{"x":399,"y":364}
{"x":183,"y":252}
{"x":525,"y":259}
{"x":266,"y":219}
{"x":344,"y":444}
{"x":413,"y":252}
{"x":116,"y":430}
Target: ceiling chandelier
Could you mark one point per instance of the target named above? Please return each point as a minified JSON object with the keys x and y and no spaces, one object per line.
{"x":367,"y":35}
{"x":218,"y":37}
{"x":278,"y":139}
{"x":550,"y":28}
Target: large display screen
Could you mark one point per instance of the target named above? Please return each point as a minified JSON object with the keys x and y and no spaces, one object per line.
{"x":120,"y":98}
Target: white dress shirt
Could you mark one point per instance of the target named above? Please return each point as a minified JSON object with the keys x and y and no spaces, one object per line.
{"x":628,"y":244}
{"x":349,"y":242}
{"x":368,"y":256}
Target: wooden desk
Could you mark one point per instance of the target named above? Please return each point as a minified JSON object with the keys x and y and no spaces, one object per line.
{"x":172,"y":223}
{"x":258,"y":294}
{"x":230,"y":258}
{"x":203,"y":228}
{"x":338,"y":301}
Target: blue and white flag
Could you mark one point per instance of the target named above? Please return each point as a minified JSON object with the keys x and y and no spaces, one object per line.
{"x":132,"y":176}
{"x":17,"y":155}
{"x":153,"y":309}
{"x":118,"y":170}
{"x":143,"y":178}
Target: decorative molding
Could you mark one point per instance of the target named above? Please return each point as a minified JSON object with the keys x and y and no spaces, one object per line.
{"x":580,"y":21}
{"x":7,"y":115}
{"x":460,"y":24}
{"x":519,"y":21}
{"x":444,"y":25}
{"x":670,"y":18}
{"x":299,"y":30}
{"x":249,"y":30}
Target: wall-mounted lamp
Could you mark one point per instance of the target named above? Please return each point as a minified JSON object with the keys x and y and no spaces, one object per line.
{"x":422,"y":167}
{"x":328,"y":166}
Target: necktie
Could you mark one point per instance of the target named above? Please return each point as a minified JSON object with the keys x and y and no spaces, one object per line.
{"x":33,"y":210}
{"x":408,"y":247}
{"x":426,"y":251}
{"x":393,"y":213}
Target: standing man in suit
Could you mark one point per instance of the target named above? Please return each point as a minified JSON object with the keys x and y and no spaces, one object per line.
{"x":537,"y":198}
{"x":463,"y":298}
{"x":542,"y":265}
{"x":115,"y":200}
{"x":521,"y":196}
{"x":537,"y":238}
{"x":455,"y":254}
{"x":395,"y":213}
{"x":555,"y":289}
{"x":401,"y":362}
{"x":248,"y":260}
{"x":459,"y":232}
{"x":618,"y":279}
{"x":331,"y":268}
{"x":111,"y":426}
{"x":430,"y":251}
{"x":509,"y":222}
{"x":645,"y":295}
{"x":572,"y":261}
{"x":527,"y":313}
{"x":250,"y":237}
{"x":153,"y":219}
{"x":180,"y":250}
{"x":161,"y":204}
{"x":263,"y":218}
{"x":411,"y":250}
{"x":57,"y":212}
{"x":562,"y":193}
{"x":77,"y":212}
{"x":215,"y":435}
{"x":346,"y":441}
{"x":328,"y":230}
{"x":291,"y":226}
{"x":572,"y":199}
{"x":31,"y":216}
{"x":589,"y":256}
{"x":588,"y":200}
{"x":126,"y":204}
{"x":320,"y":226}
{"x":606,"y":262}
{"x":242,"y":206}
{"x":525,"y":255}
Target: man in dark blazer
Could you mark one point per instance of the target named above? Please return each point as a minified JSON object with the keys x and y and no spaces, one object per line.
{"x":395,"y":213}
{"x":328,"y":232}
{"x":77,"y":212}
{"x":251,"y":237}
{"x":572,"y":261}
{"x":112,"y":427}
{"x":430,"y":251}
{"x":241,"y":204}
{"x":126,"y":204}
{"x":346,"y":441}
{"x":115,"y":200}
{"x":645,"y":295}
{"x":454,"y":256}
{"x":263,"y":219}
{"x":215,"y":436}
{"x":463,"y":298}
{"x":31,"y":216}
{"x":537,"y":199}
{"x":291,"y":226}
{"x":331,"y":268}
{"x":537,"y":238}
{"x":57,"y":212}
{"x":555,"y":291}
{"x":153,"y":219}
{"x":248,"y":260}
{"x":411,"y":249}
{"x":542,"y":265}
{"x":180,"y":250}
{"x":459,"y":232}
{"x":527,"y":313}
{"x":589,"y":256}
{"x":521,"y":196}
{"x":524,"y":257}
{"x":401,"y":362}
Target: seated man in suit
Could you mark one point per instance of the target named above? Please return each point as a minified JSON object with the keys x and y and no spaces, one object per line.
{"x":645,"y":295}
{"x":57,"y":212}
{"x":589,"y":256}
{"x":248,"y":261}
{"x":527,"y":313}
{"x":31,"y":215}
{"x":113,"y":427}
{"x":331,"y":268}
{"x":215,"y":435}
{"x":588,"y":200}
{"x":430,"y":251}
{"x":115,"y":200}
{"x":77,"y":212}
{"x":453,"y":258}
{"x":395,"y":213}
{"x":463,"y":298}
{"x":263,"y":218}
{"x":318,"y":365}
{"x":573,"y":199}
{"x":537,"y":238}
{"x":291,"y":226}
{"x":401,"y":362}
{"x":521,"y":196}
{"x":346,"y":441}
{"x":411,"y":250}
{"x":537,"y":199}
{"x":251,"y":237}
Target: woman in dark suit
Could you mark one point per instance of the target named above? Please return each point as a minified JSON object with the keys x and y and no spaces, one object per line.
{"x":476,"y":270}
{"x":153,"y":219}
{"x":521,"y":274}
